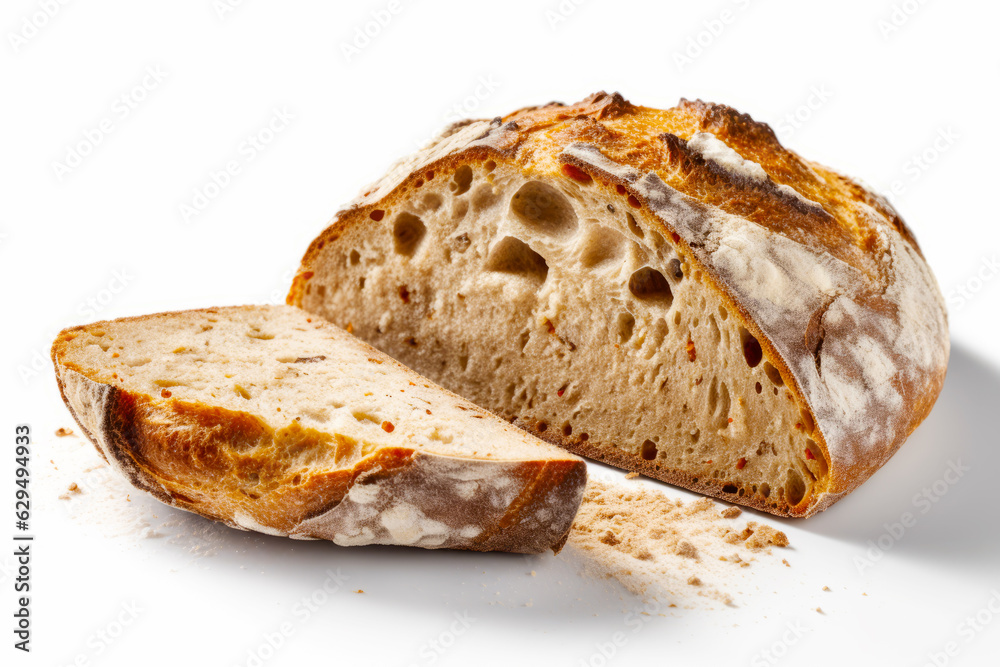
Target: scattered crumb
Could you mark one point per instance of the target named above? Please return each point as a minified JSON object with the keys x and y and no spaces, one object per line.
{"x":63,"y":432}
{"x":658,"y":546}
{"x":631,"y":475}
{"x":532,"y":573}
{"x":731,"y":512}
{"x":765,"y":536}
{"x":359,"y":591}
{"x":529,"y":603}
{"x":686,"y":549}
{"x":819,"y":610}
{"x":826,"y":588}
{"x":785,"y":562}
{"x":73,"y":488}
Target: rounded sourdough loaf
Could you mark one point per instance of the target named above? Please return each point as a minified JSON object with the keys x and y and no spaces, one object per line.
{"x":671,"y":292}
{"x":268,"y":420}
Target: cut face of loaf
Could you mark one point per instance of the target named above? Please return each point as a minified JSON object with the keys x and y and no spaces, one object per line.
{"x":269,"y":420}
{"x":670,"y":292}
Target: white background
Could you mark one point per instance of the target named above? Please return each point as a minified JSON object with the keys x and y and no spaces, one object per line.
{"x":106,"y":237}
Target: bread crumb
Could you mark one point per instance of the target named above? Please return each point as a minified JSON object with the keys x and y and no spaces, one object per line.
{"x":359,"y":591}
{"x":731,"y":512}
{"x":826,"y":588}
{"x":73,"y":488}
{"x":657,"y":546}
{"x":632,"y":475}
{"x":532,"y":573}
{"x":63,"y":432}
{"x":785,"y":562}
{"x":819,"y":610}
{"x":686,"y":549}
{"x":765,"y":536}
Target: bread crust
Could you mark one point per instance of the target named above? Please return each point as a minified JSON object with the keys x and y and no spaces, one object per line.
{"x":864,"y":358}
{"x":186,"y":455}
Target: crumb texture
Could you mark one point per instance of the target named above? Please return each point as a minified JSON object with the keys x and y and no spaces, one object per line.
{"x":766,"y":330}
{"x":270,"y":421}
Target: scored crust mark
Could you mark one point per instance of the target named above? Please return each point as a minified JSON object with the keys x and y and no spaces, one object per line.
{"x":309,"y":435}
{"x":691,"y":236}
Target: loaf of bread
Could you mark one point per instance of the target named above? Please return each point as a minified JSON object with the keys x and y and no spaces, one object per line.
{"x":668,"y":291}
{"x":269,"y":420}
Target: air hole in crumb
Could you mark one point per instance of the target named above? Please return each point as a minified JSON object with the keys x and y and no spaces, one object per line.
{"x":600,"y":247}
{"x":543,"y":208}
{"x":626,"y":324}
{"x":758,"y":388}
{"x":241,"y":391}
{"x":462,"y":180}
{"x":647,"y":284}
{"x":584,"y":437}
{"x":751,"y":348}
{"x":648,"y":450}
{"x":730,"y":488}
{"x":795,"y":487}
{"x":431,"y":202}
{"x":567,"y":430}
{"x":634,"y":226}
{"x":355,"y":257}
{"x":490,"y":165}
{"x":408,"y":231}
{"x":807,"y":421}
{"x":675,"y":270}
{"x":765,"y":489}
{"x":461,"y":243}
{"x":542,"y":427}
{"x":773,"y":374}
{"x":514,"y":256}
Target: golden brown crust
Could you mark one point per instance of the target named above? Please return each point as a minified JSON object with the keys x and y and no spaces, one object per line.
{"x":646,"y":156}
{"x":198,"y":457}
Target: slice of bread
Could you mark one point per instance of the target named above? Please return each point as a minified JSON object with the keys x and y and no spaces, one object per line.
{"x":671,"y":292}
{"x":270,"y":420}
